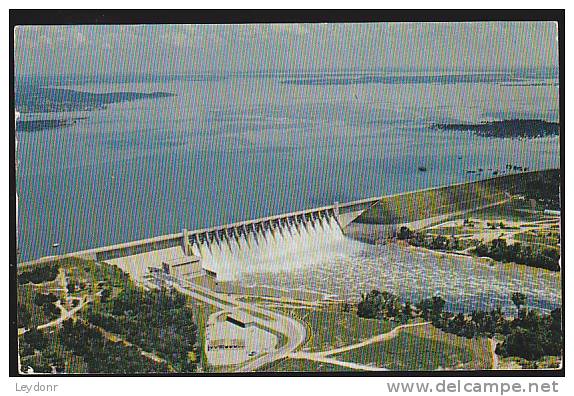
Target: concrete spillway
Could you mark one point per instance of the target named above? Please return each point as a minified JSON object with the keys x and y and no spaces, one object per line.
{"x":280,"y":242}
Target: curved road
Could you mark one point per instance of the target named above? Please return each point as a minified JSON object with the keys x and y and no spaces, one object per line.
{"x":294,"y":331}
{"x":323,"y":357}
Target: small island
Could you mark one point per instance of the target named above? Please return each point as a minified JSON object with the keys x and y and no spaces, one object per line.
{"x":507,"y":128}
{"x":39,"y":125}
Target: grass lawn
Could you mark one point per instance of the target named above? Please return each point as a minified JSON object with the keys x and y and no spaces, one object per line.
{"x":331,"y":328}
{"x":543,"y":239}
{"x":423,"y":348}
{"x":302,"y":365}
{"x":424,"y":204}
{"x":510,"y":211}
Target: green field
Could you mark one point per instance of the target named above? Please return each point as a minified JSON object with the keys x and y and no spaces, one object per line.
{"x":543,"y":238}
{"x":408,"y":207}
{"x":514,"y":210}
{"x":459,"y":231}
{"x":418,"y":205}
{"x":423,"y":348}
{"x":331,"y":328}
{"x":301,"y":365}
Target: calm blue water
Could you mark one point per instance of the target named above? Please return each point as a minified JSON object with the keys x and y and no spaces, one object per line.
{"x":230,"y":149}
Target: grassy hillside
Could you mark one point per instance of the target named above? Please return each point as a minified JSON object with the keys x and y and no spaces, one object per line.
{"x":404,"y":208}
{"x":423,"y":348}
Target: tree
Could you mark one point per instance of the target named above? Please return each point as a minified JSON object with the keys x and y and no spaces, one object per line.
{"x":367,"y":307}
{"x":418,"y":239}
{"x":455,"y":243}
{"x":439,"y":243}
{"x":105,"y":294}
{"x":392,"y":307}
{"x":524,"y":343}
{"x":45,"y":273}
{"x":556,"y":332}
{"x":513,"y":252}
{"x":498,"y":249}
{"x":42,"y":299}
{"x":405,"y":233}
{"x":481,"y":250}
{"x":425,"y":307}
{"x":518,"y":299}
{"x":408,"y":310}
{"x":437,"y":306}
{"x":378,"y":304}
{"x":36,"y":339}
{"x":457,"y":324}
{"x":24,"y":317}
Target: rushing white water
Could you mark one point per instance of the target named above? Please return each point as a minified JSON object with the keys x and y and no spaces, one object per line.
{"x":279,"y":248}
{"x":466,"y":283}
{"x":313,"y":257}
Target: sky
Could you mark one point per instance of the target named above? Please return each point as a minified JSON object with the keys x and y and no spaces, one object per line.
{"x":191,"y":49}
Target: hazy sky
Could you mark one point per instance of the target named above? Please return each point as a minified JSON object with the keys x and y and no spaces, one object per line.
{"x":181,"y":49}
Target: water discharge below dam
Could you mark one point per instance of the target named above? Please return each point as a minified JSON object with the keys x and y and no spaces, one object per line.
{"x":350,"y":268}
{"x":285,"y":244}
{"x":309,"y":256}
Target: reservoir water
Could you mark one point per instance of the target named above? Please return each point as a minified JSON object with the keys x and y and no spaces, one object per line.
{"x":240,"y":147}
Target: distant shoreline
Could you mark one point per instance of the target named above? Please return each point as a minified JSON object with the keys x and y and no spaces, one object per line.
{"x":32,"y":99}
{"x":57,"y":100}
{"x":525,"y":128}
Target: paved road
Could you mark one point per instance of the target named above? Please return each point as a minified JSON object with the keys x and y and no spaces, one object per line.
{"x":351,"y":365}
{"x":294,"y":331}
{"x":64,"y":315}
{"x":322,"y":357}
{"x":378,"y":338}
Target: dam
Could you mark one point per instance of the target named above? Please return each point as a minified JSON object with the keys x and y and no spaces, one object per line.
{"x":283,"y":237}
{"x":266,"y":240}
{"x":289,"y":236}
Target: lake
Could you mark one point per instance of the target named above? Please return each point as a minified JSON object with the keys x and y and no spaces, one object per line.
{"x":245,"y":146}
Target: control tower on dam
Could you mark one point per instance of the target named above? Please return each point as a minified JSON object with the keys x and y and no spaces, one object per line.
{"x":292,"y":235}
